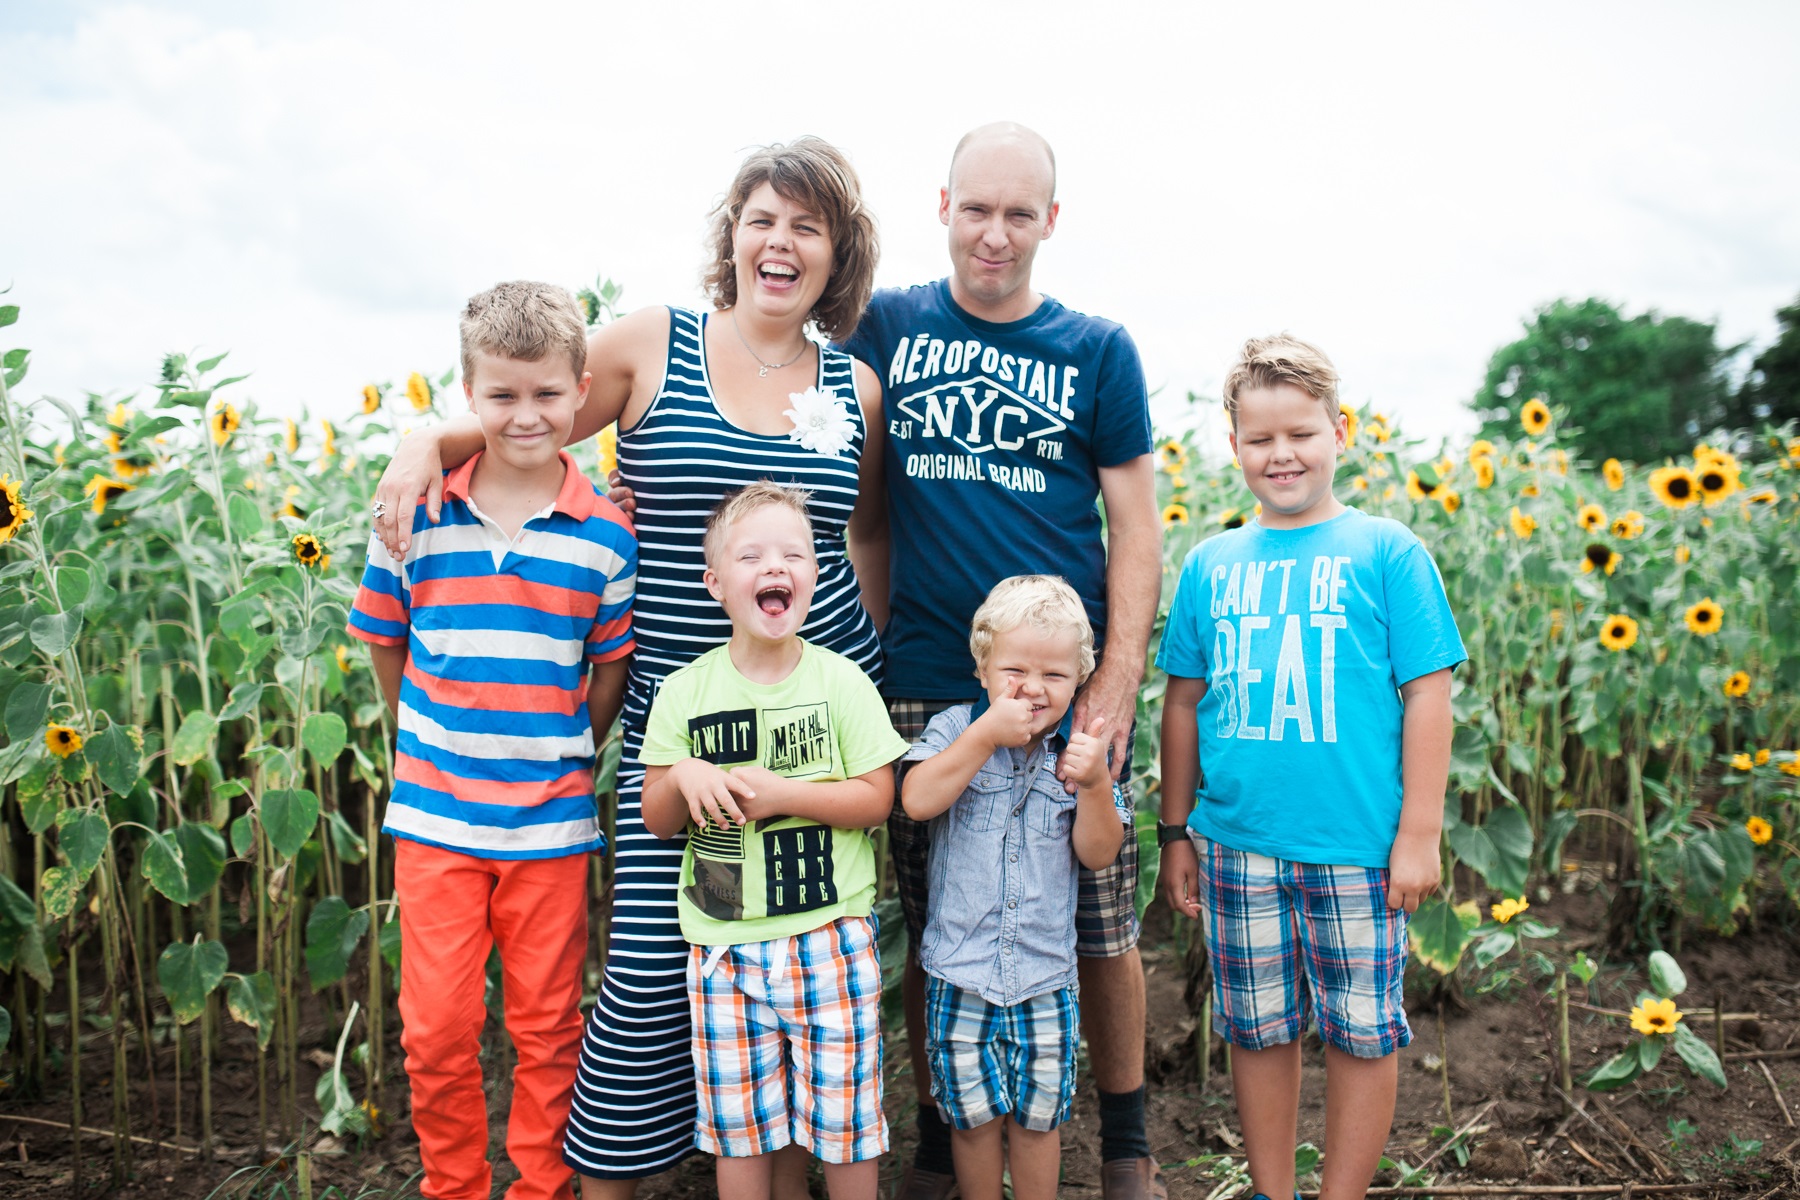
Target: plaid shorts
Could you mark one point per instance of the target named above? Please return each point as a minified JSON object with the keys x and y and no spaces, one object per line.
{"x":1291,"y":941}
{"x":1106,"y":919}
{"x":787,"y":1044}
{"x":988,"y":1060}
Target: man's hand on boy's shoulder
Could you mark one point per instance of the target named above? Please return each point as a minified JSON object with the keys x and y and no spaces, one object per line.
{"x":1007,"y":722}
{"x":1084,"y":758}
{"x":1414,"y":870}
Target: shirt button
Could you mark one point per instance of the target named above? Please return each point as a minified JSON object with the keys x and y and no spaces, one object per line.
{"x":1012,"y":904}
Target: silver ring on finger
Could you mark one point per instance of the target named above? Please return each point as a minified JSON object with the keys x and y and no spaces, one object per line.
{"x":378,"y":509}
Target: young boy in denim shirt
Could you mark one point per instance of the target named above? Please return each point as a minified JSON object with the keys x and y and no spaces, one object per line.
{"x":1305,"y":752}
{"x":1006,"y":841}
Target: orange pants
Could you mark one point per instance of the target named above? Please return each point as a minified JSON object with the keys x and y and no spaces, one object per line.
{"x":453,"y":909}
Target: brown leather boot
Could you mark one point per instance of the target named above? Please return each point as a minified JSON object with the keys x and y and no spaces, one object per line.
{"x":1132,"y":1179}
{"x":919,"y":1184}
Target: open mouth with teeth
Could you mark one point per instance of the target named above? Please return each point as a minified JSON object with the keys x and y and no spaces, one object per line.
{"x":776,"y":272}
{"x":775,"y":599}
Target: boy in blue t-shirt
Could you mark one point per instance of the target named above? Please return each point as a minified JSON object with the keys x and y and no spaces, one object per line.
{"x":1307,"y":726}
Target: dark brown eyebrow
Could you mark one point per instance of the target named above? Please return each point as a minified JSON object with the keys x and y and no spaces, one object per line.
{"x":802,"y":215}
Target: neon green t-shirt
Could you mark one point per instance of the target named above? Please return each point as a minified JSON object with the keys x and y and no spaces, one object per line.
{"x":784,"y":875}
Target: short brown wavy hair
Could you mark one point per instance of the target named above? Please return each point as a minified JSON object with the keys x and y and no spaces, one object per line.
{"x":808,"y":171}
{"x":1282,"y":358}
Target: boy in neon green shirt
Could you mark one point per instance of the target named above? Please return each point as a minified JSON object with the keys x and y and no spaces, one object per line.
{"x":776,"y":756}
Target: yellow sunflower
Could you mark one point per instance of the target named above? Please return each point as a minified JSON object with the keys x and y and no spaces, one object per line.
{"x":1705,"y":618}
{"x":608,"y":440}
{"x":1682,"y":554}
{"x":1360,"y":483}
{"x":1614,"y":472}
{"x":103,"y":489}
{"x":1762,"y":757}
{"x":1481,"y":449}
{"x":1378,"y":429}
{"x":309,"y":552}
{"x":288,"y":507}
{"x":1484,"y":472}
{"x":1619,"y":632}
{"x":1591,"y":517}
{"x":1629,"y":525}
{"x":1599,"y":558}
{"x":371,"y":396}
{"x":1676,"y":487}
{"x":1717,"y":477}
{"x":1760,"y":831}
{"x":1416,"y":489}
{"x":1530,"y":491}
{"x":1178,"y":483}
{"x":1172,"y":455}
{"x":13,"y":513}
{"x":1535,"y":417}
{"x":1655,"y":1017}
{"x":418,"y":392}
{"x":1351,"y":424}
{"x":1791,"y":767}
{"x":290,"y":438}
{"x":1449,"y":499}
{"x":1760,"y":498}
{"x":1509,"y":908}
{"x":223,"y":422}
{"x":1737,"y":684}
{"x":1175,"y":514}
{"x":1741,"y":761}
{"x":328,"y":449}
{"x":62,"y":740}
{"x":343,"y":659}
{"x":1231,"y":518}
{"x":1523,"y":524}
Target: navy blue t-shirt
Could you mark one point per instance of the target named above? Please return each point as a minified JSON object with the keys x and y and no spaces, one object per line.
{"x":996,"y":434}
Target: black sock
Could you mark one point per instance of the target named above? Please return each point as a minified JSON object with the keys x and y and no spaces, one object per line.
{"x":933,"y":1153}
{"x":1122,"y":1126}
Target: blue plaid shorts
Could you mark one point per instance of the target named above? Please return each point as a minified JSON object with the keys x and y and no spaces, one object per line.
{"x":787,"y":1044}
{"x":988,"y":1060}
{"x":1293,"y":941}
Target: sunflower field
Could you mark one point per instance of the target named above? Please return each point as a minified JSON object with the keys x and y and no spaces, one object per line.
{"x":196,"y":754}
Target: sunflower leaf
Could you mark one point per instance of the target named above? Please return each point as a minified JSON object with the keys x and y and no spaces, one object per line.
{"x":1649,"y":1051}
{"x":1437,"y":935}
{"x":1614,"y":1073}
{"x":188,"y":973}
{"x":26,"y":709}
{"x":115,"y":756}
{"x":289,"y":815}
{"x":251,"y":999}
{"x":191,"y":741}
{"x":1666,"y":976}
{"x":1698,"y":1056}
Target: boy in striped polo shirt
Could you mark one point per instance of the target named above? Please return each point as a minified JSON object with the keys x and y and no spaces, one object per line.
{"x":501,"y":644}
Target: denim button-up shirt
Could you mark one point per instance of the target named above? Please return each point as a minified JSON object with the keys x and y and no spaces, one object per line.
{"x":1003,"y":873}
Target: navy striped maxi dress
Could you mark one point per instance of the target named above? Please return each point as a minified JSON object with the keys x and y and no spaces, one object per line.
{"x":634,"y":1104}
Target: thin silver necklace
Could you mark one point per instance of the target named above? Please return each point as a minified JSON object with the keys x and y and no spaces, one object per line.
{"x":764,"y":367}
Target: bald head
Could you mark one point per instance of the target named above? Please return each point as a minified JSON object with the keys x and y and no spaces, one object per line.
{"x":1009,"y":147}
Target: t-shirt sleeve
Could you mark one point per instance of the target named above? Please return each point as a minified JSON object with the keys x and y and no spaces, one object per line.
{"x":665,"y":733}
{"x":1422,"y":633}
{"x":943,"y":729}
{"x":866,"y":737}
{"x":611,"y":638}
{"x":381,"y":611}
{"x":1121,"y":404}
{"x":1184,"y":641}
{"x":864,"y":343}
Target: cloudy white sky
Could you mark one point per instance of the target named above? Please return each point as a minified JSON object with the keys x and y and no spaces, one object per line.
{"x":316,"y":187}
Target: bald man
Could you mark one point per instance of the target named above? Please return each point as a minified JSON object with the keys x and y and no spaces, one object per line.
{"x":1008,"y":415}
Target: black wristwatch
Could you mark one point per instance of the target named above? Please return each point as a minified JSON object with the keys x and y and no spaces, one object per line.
{"x":1166,"y":833}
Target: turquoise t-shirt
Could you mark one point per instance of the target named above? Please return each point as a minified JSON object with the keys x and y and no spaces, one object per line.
{"x":1304,"y":637}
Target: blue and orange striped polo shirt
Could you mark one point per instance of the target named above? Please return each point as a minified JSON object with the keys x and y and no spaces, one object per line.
{"x":495,"y":755}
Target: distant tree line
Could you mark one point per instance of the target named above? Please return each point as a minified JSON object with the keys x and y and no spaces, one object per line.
{"x":1639,"y":388}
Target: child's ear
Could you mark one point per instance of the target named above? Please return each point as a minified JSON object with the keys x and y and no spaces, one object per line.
{"x":581,"y":388}
{"x":712,"y":584}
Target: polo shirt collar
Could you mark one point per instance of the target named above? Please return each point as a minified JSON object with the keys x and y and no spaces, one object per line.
{"x":1062,"y":730}
{"x":576,"y":499}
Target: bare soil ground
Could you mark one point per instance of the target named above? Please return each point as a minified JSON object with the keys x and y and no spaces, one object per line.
{"x":1668,"y":1128}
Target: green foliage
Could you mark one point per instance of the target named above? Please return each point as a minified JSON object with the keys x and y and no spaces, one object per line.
{"x":332,"y":933}
{"x":188,"y":972}
{"x":1637,"y":388}
{"x":1771,"y":391}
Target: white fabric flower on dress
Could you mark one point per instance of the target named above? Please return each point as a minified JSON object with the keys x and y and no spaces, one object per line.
{"x":822,"y":421}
